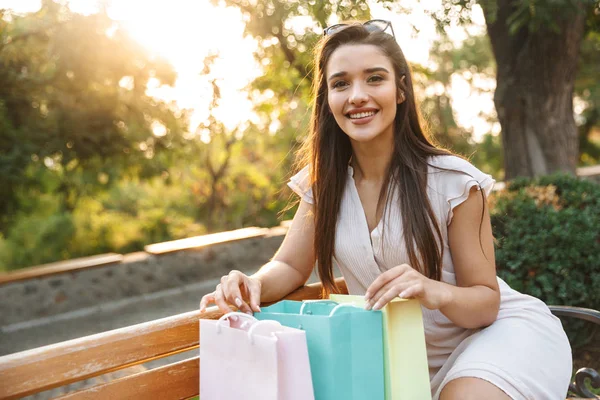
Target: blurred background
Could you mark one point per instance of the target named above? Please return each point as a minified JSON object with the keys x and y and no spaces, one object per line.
{"x":125,"y":123}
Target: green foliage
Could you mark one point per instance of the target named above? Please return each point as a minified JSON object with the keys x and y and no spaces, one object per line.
{"x":587,"y":91}
{"x":533,"y":15}
{"x":548,"y":238}
{"x":488,"y":156}
{"x":35,"y":239}
{"x":72,"y":94}
{"x":470,"y":60}
{"x":123,"y":219}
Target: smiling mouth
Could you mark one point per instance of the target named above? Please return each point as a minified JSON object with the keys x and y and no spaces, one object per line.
{"x":360,"y":115}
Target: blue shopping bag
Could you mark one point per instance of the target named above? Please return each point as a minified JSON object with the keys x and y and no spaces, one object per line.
{"x":345,"y":346}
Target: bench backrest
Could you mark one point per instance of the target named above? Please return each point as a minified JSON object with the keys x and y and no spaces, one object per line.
{"x":48,"y":367}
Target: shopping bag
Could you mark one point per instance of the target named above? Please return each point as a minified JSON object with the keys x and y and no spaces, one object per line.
{"x":406,"y":369}
{"x":345,"y":346}
{"x":243,"y":358}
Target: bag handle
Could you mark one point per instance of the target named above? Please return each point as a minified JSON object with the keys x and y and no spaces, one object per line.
{"x":305,"y":302}
{"x":336,"y":308}
{"x":264,"y":322}
{"x":231,"y":315}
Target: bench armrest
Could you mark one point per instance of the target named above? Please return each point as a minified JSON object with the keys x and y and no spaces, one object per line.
{"x":587,"y":314}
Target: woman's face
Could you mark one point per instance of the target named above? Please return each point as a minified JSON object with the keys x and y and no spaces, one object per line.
{"x":362,"y":93}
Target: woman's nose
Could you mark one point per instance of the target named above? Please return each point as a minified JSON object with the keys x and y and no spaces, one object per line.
{"x":358,"y":95}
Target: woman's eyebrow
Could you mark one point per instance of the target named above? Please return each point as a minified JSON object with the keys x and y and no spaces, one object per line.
{"x":337,"y":75}
{"x":376,"y":69}
{"x":368,"y":71}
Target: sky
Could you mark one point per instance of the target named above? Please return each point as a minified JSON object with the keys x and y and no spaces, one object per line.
{"x":185,"y":32}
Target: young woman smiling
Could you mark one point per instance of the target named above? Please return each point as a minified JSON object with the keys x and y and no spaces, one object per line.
{"x":400,"y":217}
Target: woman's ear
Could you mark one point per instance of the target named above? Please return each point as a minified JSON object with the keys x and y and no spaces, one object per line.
{"x":401,"y":97}
{"x":401,"y":94}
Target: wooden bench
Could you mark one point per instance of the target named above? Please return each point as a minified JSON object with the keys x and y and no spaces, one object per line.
{"x":38,"y":370}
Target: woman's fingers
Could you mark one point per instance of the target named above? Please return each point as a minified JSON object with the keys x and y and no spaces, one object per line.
{"x":220,"y":300}
{"x":380,"y":292}
{"x":386,"y":277}
{"x":231,"y":288}
{"x":254,"y":288}
{"x":415,"y":290}
{"x":206,"y":300}
{"x":391,"y":293}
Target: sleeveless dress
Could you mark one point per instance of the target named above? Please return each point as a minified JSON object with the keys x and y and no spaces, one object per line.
{"x":525,"y":352}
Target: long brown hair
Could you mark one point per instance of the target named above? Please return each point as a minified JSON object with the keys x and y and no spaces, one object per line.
{"x":328,"y":151}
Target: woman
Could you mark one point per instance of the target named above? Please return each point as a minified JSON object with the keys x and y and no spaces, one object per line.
{"x":400,"y":217}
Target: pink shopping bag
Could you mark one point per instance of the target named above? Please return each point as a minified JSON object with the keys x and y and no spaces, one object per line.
{"x":243,"y":358}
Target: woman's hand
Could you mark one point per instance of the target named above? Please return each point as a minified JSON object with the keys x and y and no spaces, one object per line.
{"x":405,"y":282}
{"x":235,"y":289}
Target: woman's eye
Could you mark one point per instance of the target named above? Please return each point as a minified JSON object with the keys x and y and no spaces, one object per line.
{"x":339,"y":84}
{"x":375,"y":78}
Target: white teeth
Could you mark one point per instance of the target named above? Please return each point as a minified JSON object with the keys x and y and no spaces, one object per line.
{"x":362,"y":114}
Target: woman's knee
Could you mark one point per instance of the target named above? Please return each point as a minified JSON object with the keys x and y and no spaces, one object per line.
{"x":472,"y":388}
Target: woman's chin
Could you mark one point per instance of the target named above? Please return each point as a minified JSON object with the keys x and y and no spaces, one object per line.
{"x":365,"y":136}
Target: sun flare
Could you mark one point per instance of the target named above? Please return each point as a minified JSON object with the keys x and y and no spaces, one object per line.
{"x":184,"y":32}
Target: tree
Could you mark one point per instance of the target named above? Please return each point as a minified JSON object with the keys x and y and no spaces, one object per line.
{"x":536,"y":46}
{"x":470,"y":59}
{"x":72,"y":100}
{"x":215,"y":154}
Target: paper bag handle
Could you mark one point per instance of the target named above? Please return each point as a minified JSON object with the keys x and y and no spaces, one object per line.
{"x":233,"y":314}
{"x":263,"y":322}
{"x":305,"y":302}
{"x":341,"y":306}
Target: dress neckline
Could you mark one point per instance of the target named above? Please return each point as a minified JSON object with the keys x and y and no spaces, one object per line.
{"x":362,"y":209}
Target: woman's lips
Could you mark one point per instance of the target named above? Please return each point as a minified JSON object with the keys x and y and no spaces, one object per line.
{"x":363,"y":120}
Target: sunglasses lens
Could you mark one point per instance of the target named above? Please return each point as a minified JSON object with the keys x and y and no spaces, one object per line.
{"x":334,"y":28}
{"x":376,"y":25}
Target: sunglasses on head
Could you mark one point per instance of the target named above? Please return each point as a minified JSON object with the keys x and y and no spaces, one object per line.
{"x":374,"y":25}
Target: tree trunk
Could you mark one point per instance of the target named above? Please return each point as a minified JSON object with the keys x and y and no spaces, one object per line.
{"x":534,"y":92}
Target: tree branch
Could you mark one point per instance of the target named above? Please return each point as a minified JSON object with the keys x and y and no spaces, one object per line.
{"x":289,"y":54}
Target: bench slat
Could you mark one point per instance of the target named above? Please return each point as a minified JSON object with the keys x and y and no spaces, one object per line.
{"x":56,"y":365}
{"x":174,"y":381}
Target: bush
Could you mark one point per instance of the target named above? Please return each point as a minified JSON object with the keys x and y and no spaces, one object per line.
{"x":548,"y":239}
{"x":122,"y":219}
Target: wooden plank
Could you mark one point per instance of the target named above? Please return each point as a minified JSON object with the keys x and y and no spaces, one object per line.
{"x":60,"y":267}
{"x":52,"y":366}
{"x":205,"y":240}
{"x":312,"y":291}
{"x":179,"y":380}
{"x":56,"y":365}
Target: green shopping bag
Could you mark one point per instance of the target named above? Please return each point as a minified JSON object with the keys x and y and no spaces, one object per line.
{"x":345,"y":346}
{"x":406,"y":369}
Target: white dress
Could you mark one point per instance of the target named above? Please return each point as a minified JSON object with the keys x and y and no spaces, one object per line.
{"x":525,"y":352}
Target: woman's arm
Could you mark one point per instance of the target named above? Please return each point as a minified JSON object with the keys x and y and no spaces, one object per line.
{"x":289,"y":269}
{"x":475,"y":301}
{"x":293,"y":263}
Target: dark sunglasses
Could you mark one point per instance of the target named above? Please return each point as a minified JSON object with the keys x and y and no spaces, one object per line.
{"x":374,"y":25}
